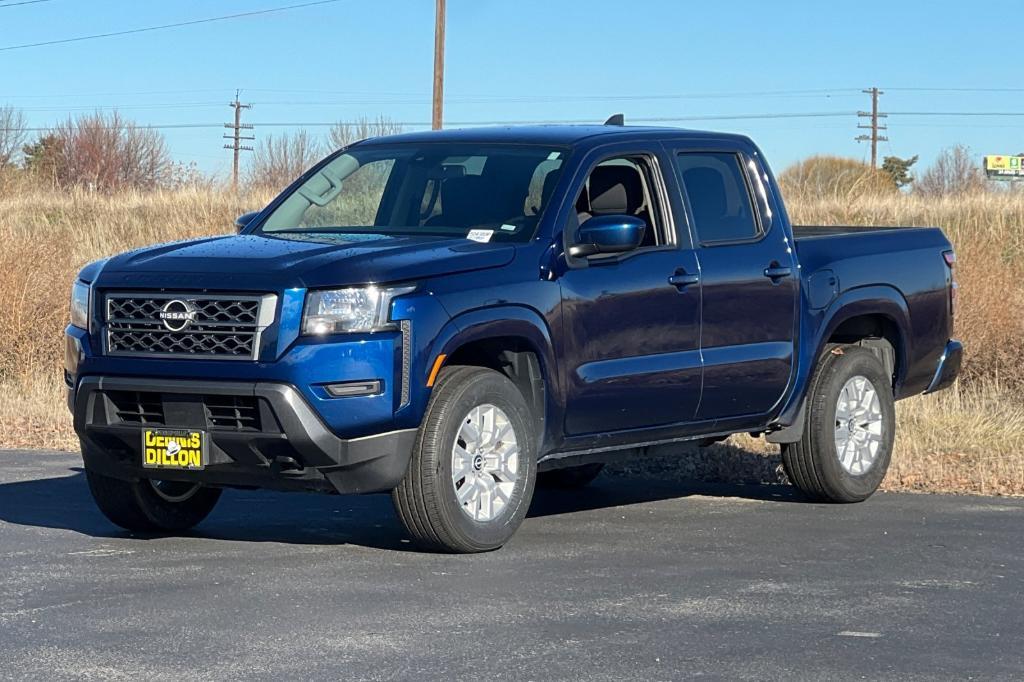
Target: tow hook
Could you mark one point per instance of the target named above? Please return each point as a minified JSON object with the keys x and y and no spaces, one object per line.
{"x":286,"y":466}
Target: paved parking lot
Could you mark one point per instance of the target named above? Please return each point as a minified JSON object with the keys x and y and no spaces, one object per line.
{"x":631,"y":578}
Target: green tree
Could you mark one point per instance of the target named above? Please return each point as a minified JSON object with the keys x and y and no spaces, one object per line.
{"x":899,"y":169}
{"x":42,"y":157}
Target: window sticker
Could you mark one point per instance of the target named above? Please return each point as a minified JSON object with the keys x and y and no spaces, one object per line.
{"x":483,"y":236}
{"x":509,"y":228}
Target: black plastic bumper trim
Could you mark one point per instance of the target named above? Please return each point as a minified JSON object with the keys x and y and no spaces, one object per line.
{"x":352,"y":465}
{"x":948,"y":368}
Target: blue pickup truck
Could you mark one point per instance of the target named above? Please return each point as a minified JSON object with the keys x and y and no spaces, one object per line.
{"x":455,"y":317}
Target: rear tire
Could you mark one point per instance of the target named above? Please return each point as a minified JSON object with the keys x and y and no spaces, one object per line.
{"x":144,"y":507}
{"x":570,"y":478}
{"x":474,"y":466}
{"x":850,"y":425}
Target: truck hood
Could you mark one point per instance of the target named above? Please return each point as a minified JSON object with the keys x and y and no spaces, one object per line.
{"x":256,"y":262}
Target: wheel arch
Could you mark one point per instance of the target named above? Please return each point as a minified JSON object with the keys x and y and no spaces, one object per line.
{"x":875,"y":317}
{"x":515,"y":341}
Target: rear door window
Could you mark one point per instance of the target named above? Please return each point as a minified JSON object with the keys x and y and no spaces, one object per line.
{"x":719,"y":197}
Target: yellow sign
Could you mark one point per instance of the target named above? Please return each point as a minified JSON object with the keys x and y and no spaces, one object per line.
{"x":1007,"y":166}
{"x":173,"y":450}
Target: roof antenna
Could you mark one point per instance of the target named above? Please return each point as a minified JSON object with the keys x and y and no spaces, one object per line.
{"x":616,"y":120}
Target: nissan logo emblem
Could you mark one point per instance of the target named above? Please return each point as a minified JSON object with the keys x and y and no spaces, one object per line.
{"x":176,"y":315}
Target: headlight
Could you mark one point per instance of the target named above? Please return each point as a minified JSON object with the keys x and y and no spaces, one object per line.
{"x":80,"y":305}
{"x":361,"y":309}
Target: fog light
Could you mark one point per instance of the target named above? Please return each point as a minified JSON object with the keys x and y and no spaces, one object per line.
{"x":354,"y":388}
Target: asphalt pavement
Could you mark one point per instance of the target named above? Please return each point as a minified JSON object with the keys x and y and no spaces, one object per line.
{"x":631,"y":578}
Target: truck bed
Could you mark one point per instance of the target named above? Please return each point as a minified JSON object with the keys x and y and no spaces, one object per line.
{"x":811,"y":231}
{"x":875,"y":254}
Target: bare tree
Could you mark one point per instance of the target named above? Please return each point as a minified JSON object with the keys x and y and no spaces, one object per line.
{"x":344,"y":134}
{"x":279,"y":159}
{"x":13,"y":133}
{"x":189,"y":176}
{"x":954,"y":172}
{"x":107,"y":153}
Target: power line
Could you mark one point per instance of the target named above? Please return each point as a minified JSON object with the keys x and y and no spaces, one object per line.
{"x":956,"y":89}
{"x":689,"y":95}
{"x":387,"y":97}
{"x":426,"y":124}
{"x":961,"y":126}
{"x":165,"y":26}
{"x":202,"y":104}
{"x":482,"y":98}
{"x":956,"y":113}
{"x":24,"y":2}
{"x":158,"y":126}
{"x":577,"y":121}
{"x":125,"y":107}
{"x":470,"y":99}
{"x":114,"y":94}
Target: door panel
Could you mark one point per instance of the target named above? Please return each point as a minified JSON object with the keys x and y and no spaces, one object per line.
{"x":747,"y":331}
{"x":632,"y":355}
{"x":749,"y":285}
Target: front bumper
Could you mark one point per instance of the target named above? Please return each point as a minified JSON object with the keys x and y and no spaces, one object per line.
{"x":948,"y":368}
{"x":279,"y":442}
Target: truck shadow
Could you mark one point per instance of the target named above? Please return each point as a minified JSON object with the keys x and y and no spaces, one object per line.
{"x":64,"y":502}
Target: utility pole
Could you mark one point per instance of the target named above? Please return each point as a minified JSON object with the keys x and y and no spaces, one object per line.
{"x":874,"y":127}
{"x":437,"y":116}
{"x":236,"y":137}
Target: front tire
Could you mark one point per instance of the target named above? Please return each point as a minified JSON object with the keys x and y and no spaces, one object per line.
{"x":474,"y":466}
{"x":146,"y":506}
{"x":850,"y":426}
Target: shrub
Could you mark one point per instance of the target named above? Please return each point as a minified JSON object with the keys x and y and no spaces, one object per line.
{"x":835,"y":177}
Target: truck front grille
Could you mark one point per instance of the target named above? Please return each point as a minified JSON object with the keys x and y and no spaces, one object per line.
{"x":187,"y":325}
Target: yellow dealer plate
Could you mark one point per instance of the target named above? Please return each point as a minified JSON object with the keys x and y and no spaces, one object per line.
{"x":173,"y":449}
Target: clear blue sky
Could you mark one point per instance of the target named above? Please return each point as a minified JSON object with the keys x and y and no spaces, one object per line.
{"x":533,"y":59}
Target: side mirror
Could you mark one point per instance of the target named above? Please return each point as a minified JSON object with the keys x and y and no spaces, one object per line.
{"x":243,"y":220}
{"x":608,"y":234}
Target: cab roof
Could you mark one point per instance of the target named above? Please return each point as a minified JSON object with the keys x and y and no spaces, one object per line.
{"x":556,"y":135}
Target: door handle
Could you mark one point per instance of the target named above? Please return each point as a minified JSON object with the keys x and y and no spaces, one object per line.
{"x":776,"y":272}
{"x":681,"y":279}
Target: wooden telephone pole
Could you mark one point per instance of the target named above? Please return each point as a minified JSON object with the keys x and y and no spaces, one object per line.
{"x":874,"y":127}
{"x":438,"y":112}
{"x":236,"y":138}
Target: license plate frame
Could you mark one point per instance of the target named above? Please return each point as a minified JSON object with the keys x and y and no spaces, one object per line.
{"x":175,"y":449}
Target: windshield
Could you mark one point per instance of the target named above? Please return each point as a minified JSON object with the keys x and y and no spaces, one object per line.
{"x":480,"y":192}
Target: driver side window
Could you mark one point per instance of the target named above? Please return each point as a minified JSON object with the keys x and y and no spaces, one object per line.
{"x":624,"y":185}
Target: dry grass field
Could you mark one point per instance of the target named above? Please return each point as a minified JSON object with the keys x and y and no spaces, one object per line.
{"x":969,"y":439}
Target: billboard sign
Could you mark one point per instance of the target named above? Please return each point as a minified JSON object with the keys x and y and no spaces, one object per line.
{"x":1004,"y":167}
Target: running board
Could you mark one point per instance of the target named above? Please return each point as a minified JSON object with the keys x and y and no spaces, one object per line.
{"x":572,"y":458}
